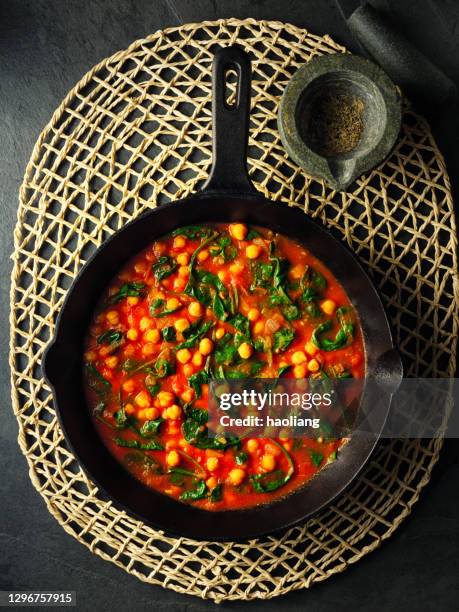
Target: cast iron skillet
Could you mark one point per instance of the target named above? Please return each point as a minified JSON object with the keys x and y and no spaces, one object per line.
{"x":227,"y":196}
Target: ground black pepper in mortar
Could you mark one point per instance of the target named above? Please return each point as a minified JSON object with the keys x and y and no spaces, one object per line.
{"x":335,"y":124}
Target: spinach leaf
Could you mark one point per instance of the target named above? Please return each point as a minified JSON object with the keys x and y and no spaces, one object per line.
{"x":344,"y":335}
{"x":198,"y":492}
{"x":164,"y":267}
{"x":153,"y":389}
{"x":241,"y":457}
{"x":225,"y":351}
{"x":262,"y":275}
{"x":266,"y":483}
{"x":168,"y":333}
{"x":313,"y":280}
{"x":282,"y":339}
{"x":216,"y":493}
{"x":150,"y":428}
{"x":316,"y":457}
{"x":158,"y":368}
{"x":291,"y":312}
{"x":195,"y":431}
{"x":134,"y":289}
{"x":242,"y":324}
{"x":163,"y":367}
{"x":312,"y":311}
{"x":151,"y":445}
{"x":199,"y":378}
{"x":157,"y":310}
{"x":193,"y":231}
{"x":219,"y":308}
{"x":224,"y":248}
{"x":100,"y":385}
{"x":98,"y":414}
{"x":111,"y":336}
{"x":194,"y":337}
{"x":133,"y":366}
{"x":139,"y":459}
{"x":309,"y":294}
{"x":252,"y":233}
{"x":121,"y":418}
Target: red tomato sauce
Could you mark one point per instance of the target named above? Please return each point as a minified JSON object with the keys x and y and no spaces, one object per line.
{"x":214,"y":302}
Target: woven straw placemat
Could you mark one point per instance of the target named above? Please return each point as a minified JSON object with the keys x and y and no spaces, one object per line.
{"x":134,"y":133}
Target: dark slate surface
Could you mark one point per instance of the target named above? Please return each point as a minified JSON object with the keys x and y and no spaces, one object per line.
{"x":45,"y":47}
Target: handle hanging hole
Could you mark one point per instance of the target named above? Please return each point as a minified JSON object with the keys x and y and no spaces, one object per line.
{"x":231,"y":85}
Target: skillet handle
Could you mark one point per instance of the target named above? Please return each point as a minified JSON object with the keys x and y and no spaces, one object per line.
{"x":230,"y":124}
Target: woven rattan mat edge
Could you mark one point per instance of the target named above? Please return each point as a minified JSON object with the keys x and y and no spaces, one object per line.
{"x":18,"y":231}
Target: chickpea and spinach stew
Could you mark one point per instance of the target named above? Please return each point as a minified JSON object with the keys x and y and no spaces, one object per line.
{"x":209,"y":302}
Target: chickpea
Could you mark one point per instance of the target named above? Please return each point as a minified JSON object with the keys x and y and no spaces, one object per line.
{"x":298,"y":358}
{"x":132,"y":334}
{"x":165,"y":398}
{"x":183,"y":356}
{"x":252,"y":445}
{"x":220,"y":332}
{"x":173,"y":458}
{"x":253,"y":314}
{"x":253,"y":251}
{"x":179,"y":242}
{"x":245,"y":350}
{"x":112,"y":317}
{"x":152,"y":335}
{"x":310,"y":348}
{"x":183,"y":271}
{"x":111,"y":362}
{"x":212,"y":464}
{"x":129,"y":350}
{"x":148,"y":349}
{"x":238,"y":231}
{"x":129,"y":386}
{"x":259,"y":327}
{"x":133,"y":300}
{"x":328,"y":307}
{"x":188,"y":395}
{"x":203,"y":255}
{"x":195,"y":309}
{"x":313,"y":365}
{"x":151,"y":413}
{"x":145,"y":323}
{"x":211,"y":482}
{"x":173,"y":412}
{"x":179,"y":284}
{"x":183,"y":258}
{"x":236,"y":476}
{"x":90,"y":356}
{"x":181,"y":325}
{"x":223,"y":275}
{"x":188,"y":370}
{"x":299,"y":371}
{"x":268,"y":463}
{"x":129,"y":409}
{"x":142,"y":399}
{"x":236,"y":267}
{"x":272,"y":449}
{"x":297,"y":271}
{"x":104,"y":350}
{"x":206,"y":346}
{"x":198,"y":359}
{"x":172,"y":303}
